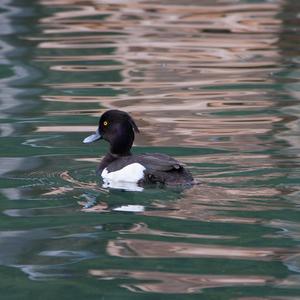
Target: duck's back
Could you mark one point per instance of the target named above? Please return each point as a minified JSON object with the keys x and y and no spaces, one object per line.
{"x":152,"y":168}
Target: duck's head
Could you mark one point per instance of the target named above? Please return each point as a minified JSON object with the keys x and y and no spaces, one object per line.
{"x":116,"y":127}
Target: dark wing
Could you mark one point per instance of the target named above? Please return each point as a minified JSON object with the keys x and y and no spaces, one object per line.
{"x":165,"y":169}
{"x":159,"y":162}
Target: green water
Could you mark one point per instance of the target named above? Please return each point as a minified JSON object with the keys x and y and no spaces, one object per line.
{"x":214,"y":84}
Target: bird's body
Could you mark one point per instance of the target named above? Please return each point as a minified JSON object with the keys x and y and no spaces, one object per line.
{"x":120,"y":165}
{"x":153,"y":167}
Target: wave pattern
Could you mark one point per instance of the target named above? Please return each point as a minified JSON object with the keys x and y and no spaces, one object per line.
{"x":213,"y":83}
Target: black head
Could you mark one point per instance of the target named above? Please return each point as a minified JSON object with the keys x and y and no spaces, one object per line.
{"x":116,"y":127}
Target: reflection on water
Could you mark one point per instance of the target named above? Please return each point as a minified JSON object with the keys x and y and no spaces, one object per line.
{"x":140,"y":248}
{"x":178,"y":283}
{"x":173,"y":60}
{"x":212,"y":83}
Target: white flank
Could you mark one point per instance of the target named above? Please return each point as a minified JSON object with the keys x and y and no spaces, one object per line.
{"x":122,"y":185}
{"x":125,"y":178}
{"x":130,"y":208}
{"x":131,"y":173}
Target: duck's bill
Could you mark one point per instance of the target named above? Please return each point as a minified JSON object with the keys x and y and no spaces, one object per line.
{"x":92,"y":138}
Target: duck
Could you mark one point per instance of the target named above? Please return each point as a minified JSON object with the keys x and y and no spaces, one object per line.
{"x":119,"y":165}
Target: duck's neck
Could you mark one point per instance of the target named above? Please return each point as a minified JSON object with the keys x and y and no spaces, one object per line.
{"x":107,"y":159}
{"x":122,"y":140}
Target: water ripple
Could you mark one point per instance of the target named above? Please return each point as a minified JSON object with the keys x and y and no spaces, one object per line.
{"x":214,"y":84}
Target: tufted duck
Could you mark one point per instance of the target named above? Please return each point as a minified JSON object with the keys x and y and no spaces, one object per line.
{"x":119,"y":165}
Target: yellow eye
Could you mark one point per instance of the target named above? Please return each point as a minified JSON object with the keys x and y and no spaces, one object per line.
{"x":105,"y":123}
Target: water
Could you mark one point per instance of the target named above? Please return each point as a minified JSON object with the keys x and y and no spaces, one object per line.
{"x":212,"y":83}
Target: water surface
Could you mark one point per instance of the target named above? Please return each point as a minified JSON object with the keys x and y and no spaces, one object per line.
{"x":214,"y":84}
